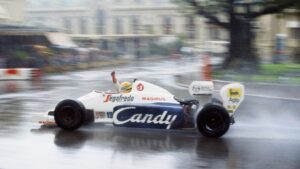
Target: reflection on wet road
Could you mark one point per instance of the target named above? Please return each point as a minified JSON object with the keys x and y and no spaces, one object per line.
{"x":266,"y":133}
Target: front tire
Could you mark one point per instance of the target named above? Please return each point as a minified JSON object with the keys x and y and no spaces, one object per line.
{"x":69,"y":114}
{"x":213,"y":121}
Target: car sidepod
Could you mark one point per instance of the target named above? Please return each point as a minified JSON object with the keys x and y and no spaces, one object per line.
{"x":159,"y":116}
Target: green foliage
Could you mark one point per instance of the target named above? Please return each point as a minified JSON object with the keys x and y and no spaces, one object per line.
{"x":216,"y":7}
{"x":212,"y":6}
{"x":296,"y":55}
{"x":19,"y":55}
{"x":237,"y":17}
{"x":277,"y":69}
{"x":271,"y":73}
{"x":166,"y":49}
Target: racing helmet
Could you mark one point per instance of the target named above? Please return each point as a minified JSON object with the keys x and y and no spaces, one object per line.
{"x":126,"y":87}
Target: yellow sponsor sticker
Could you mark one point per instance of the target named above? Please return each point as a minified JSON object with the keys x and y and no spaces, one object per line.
{"x":235,"y":93}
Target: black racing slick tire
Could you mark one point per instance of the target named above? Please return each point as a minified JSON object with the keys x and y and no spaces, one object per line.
{"x":213,"y":121}
{"x":69,"y":114}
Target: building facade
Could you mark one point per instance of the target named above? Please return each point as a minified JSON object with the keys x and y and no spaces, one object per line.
{"x":12,"y":11}
{"x":129,"y":23}
{"x":278,"y":35}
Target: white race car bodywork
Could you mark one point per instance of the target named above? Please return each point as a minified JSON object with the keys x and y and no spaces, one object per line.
{"x":160,"y":106}
{"x":102,"y":103}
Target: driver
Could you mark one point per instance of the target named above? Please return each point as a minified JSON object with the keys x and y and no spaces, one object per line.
{"x":124,"y":87}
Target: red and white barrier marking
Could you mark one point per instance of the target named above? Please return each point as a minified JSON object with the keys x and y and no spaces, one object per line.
{"x":20,"y":74}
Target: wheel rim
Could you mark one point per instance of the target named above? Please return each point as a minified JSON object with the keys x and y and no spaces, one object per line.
{"x":213,"y":122}
{"x":68,"y":115}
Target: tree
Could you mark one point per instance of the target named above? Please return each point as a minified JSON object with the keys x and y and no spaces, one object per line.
{"x":238,"y":17}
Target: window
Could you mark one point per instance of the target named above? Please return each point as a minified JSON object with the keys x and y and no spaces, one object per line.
{"x":134,"y":24}
{"x":67,"y":25}
{"x":118,"y":25}
{"x":104,"y":45}
{"x":295,"y":33}
{"x":190,"y":27}
{"x":149,"y":29}
{"x":100,"y":22}
{"x":167,"y":25}
{"x":121,"y":45}
{"x":83,"y":24}
{"x":214,"y":33}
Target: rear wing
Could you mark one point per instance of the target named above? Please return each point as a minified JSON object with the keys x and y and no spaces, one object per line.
{"x":232,"y":94}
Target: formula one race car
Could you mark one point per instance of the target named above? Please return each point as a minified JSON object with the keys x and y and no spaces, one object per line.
{"x":150,"y":106}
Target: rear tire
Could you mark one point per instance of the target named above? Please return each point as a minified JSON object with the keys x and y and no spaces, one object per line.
{"x":69,"y":114}
{"x":213,"y":121}
{"x":216,"y":101}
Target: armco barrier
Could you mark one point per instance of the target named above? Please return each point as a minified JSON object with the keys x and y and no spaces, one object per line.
{"x":20,"y":74}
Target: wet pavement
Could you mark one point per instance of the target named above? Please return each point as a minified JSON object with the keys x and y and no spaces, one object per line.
{"x":266,"y":133}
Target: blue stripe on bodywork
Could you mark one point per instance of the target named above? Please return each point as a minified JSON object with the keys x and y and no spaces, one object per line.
{"x":149,"y":116}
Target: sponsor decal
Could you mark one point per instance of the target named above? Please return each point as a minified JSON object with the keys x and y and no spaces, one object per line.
{"x":109,"y":115}
{"x":99,"y":115}
{"x":153,"y":98}
{"x":118,"y":98}
{"x":140,"y":87}
{"x":163,"y":118}
{"x":12,"y":72}
{"x":198,"y":89}
{"x":103,"y":115}
{"x":231,"y":107}
{"x":235,"y":94}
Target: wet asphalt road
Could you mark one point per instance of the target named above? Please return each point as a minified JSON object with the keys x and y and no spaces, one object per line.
{"x":266,"y":133}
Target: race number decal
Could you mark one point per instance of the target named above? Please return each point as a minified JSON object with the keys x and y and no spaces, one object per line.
{"x":140,"y":87}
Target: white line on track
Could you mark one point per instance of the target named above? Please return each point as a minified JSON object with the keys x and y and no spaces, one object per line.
{"x":258,"y":83}
{"x":273,"y":97}
{"x":252,"y":95}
